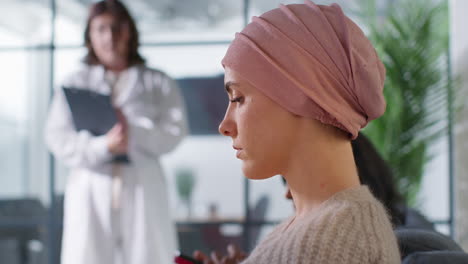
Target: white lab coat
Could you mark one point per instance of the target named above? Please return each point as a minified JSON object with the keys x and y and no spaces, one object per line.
{"x":154,"y":109}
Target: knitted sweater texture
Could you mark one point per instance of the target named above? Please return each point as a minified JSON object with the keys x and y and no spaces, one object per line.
{"x":350,"y":227}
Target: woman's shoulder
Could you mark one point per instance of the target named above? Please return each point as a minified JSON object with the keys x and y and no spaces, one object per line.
{"x":349,"y":224}
{"x":355,"y":208}
{"x":354,"y":200}
{"x":82,"y":74}
{"x":150,"y":70}
{"x":159,"y":78}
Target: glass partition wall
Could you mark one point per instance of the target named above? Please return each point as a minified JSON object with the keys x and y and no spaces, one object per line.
{"x":41,"y":42}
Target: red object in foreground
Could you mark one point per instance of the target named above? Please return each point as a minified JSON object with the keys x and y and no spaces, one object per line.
{"x":180,"y":260}
{"x":185,"y":260}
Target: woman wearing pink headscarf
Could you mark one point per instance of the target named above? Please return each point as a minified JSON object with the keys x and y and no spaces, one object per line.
{"x":302,"y":80}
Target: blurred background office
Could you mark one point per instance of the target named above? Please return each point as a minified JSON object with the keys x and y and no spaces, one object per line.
{"x":424,"y":45}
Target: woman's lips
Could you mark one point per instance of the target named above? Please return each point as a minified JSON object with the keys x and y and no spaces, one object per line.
{"x":239,"y":151}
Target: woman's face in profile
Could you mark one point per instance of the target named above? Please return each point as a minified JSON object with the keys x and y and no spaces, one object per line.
{"x":109,"y":40}
{"x":262,"y":132}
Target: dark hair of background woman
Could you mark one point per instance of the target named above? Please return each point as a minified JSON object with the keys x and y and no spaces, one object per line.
{"x":120,"y":12}
{"x":374,"y":172}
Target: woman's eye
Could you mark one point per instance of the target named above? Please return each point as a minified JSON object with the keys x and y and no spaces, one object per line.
{"x":236,"y":100}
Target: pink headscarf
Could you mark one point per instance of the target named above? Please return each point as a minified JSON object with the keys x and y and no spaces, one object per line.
{"x":313,"y":61}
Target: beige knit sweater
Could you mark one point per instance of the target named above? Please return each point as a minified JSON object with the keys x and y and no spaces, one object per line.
{"x":350,"y":227}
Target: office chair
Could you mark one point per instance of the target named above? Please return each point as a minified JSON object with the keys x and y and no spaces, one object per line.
{"x":418,"y":246}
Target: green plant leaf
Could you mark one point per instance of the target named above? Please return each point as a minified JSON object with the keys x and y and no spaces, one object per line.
{"x":412,"y":44}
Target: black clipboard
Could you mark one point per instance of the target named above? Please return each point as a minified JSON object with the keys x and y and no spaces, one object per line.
{"x":93,"y":112}
{"x":90,"y":110}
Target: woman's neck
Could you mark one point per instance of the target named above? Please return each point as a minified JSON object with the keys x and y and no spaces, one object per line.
{"x":322,"y":170}
{"x":117,"y":67}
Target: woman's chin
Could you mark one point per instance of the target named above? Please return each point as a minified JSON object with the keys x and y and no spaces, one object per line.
{"x":253,"y":173}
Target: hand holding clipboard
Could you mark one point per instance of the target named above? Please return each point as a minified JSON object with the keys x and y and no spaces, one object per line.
{"x":95,"y":113}
{"x":118,"y":135}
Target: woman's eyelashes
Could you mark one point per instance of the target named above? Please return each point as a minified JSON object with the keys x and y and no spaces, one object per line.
{"x":237,"y":99}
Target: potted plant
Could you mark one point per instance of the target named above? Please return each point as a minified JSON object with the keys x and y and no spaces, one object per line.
{"x":185,"y":183}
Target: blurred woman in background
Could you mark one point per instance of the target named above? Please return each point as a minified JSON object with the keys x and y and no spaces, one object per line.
{"x":116,"y":210}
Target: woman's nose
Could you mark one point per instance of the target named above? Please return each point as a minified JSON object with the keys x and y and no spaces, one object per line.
{"x":288,"y":194}
{"x":227,"y":127}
